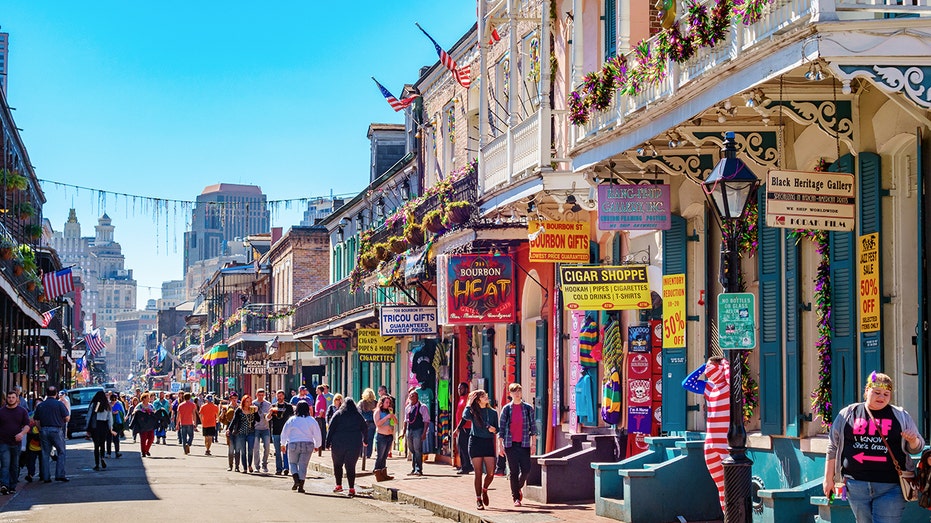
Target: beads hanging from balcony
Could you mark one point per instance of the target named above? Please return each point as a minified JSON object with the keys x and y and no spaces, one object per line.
{"x":650,"y":58}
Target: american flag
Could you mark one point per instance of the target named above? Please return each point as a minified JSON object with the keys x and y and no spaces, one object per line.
{"x":495,"y":37}
{"x":463,"y":75}
{"x":395,"y":104}
{"x":47,"y":317}
{"x":57,"y":283}
{"x":94,"y":343}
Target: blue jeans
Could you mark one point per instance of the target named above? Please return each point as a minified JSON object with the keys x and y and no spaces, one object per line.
{"x":299,"y":453}
{"x":369,"y":440}
{"x":875,"y":502}
{"x":414,"y":442}
{"x":384,"y":446}
{"x":281,"y":458}
{"x":263,"y":438}
{"x":186,"y":432}
{"x":52,"y":437}
{"x":9,"y":465}
{"x":244,"y":446}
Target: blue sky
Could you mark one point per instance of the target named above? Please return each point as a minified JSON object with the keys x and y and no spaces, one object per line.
{"x":164,"y":98}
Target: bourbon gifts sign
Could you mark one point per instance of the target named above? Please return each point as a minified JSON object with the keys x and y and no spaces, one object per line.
{"x":476,"y":288}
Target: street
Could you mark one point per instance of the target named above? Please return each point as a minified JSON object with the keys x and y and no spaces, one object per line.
{"x":171,"y":486}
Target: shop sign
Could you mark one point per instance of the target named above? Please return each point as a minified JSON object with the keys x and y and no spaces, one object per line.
{"x":330,"y":346}
{"x":407,"y":321}
{"x":559,"y":242}
{"x":373,"y":347}
{"x":277,"y":367}
{"x":478,"y":288}
{"x":77,"y":354}
{"x":592,"y":287}
{"x":415,"y":266}
{"x":673,"y":311}
{"x":810,"y":200}
{"x":736,"y":321}
{"x":869,"y":283}
{"x":633,"y":207}
{"x":254,"y":367}
{"x":639,"y":419}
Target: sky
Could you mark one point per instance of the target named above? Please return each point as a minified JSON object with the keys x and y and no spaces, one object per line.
{"x":161,"y":99}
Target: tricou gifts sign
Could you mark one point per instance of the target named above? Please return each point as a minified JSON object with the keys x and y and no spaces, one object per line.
{"x":476,"y":288}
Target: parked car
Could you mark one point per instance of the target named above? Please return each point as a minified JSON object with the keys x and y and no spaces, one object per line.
{"x":80,"y":401}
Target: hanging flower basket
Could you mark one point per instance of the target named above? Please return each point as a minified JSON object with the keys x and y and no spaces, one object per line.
{"x":398,"y":244}
{"x":433,"y":221}
{"x":369,"y":261}
{"x":30,"y":285}
{"x":459,"y":212}
{"x":13,"y":181}
{"x":414,"y":234}
{"x":25,"y":210}
{"x":18,"y":268}
{"x":382,"y":253}
{"x":34,"y":231}
{"x":6,"y":252}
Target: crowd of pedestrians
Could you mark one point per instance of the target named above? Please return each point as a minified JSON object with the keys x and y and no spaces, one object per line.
{"x":286,"y":429}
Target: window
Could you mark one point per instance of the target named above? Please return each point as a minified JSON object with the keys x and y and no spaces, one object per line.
{"x":449,"y":132}
{"x":610,"y":28}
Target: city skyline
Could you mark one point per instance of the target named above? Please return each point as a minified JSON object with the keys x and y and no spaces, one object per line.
{"x":164,"y":117}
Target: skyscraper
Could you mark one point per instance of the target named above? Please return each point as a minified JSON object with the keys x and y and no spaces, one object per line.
{"x":223,"y":213}
{"x":4,"y":56}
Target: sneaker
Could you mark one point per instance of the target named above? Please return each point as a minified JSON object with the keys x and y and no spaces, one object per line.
{"x":62,"y":479}
{"x":96,"y":467}
{"x":264,"y":470}
{"x":3,"y":490}
{"x":28,"y":478}
{"x":285,"y":472}
{"x":207,"y":453}
{"x":119,"y":455}
{"x":352,"y":492}
{"x":339,"y":488}
{"x":516,"y":502}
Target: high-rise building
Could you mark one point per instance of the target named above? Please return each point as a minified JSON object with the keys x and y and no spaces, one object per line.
{"x":320,"y":208}
{"x":222,"y":213}
{"x":172,"y":294}
{"x":109,"y":287}
{"x":4,"y":57}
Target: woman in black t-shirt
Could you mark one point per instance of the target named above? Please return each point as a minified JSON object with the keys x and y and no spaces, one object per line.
{"x":865,"y":438}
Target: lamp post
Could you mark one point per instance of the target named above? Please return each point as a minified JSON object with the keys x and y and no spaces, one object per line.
{"x":728,"y":189}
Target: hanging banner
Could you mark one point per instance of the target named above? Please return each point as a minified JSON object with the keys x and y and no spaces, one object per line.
{"x":479,"y":288}
{"x":330,"y":346}
{"x":559,"y":242}
{"x":673,"y":311}
{"x":593,"y":287}
{"x":810,"y":200}
{"x":869,"y":283}
{"x":736,"y":321}
{"x":407,"y":321}
{"x":633,"y":208}
{"x":373,"y":347}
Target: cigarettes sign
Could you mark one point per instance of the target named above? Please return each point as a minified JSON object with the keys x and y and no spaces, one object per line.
{"x":592,"y":288}
{"x":373,"y":347}
{"x":810,"y":200}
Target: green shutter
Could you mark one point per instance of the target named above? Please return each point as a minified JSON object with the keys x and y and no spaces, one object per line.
{"x":844,"y":311}
{"x":356,"y":385}
{"x":921,"y":341}
{"x":870,"y":185}
{"x":674,"y":360}
{"x":793,"y":334}
{"x":769,"y":260}
{"x":610,"y":32}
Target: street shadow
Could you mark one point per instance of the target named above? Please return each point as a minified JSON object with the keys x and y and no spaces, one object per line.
{"x":124,"y":479}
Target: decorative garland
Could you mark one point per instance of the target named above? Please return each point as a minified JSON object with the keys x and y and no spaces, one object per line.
{"x":749,"y":386}
{"x":821,"y":404}
{"x":650,"y":58}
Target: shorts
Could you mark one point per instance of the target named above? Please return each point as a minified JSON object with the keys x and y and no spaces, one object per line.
{"x":481,"y":447}
{"x":210,"y":431}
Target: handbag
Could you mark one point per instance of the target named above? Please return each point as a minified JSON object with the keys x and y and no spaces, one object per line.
{"x":907,"y":478}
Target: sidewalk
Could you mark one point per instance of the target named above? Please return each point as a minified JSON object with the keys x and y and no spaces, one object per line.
{"x":451,"y":496}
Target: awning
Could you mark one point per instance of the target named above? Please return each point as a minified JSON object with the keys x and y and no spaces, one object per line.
{"x":52,"y":335}
{"x":263,"y":337}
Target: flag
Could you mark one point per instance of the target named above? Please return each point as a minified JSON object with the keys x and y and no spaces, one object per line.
{"x":94,"y":343}
{"x":395,"y":104}
{"x":218,"y":355}
{"x":463,"y":75}
{"x":161,"y":353}
{"x":494,"y":37}
{"x":57,"y":283}
{"x":47,"y":317}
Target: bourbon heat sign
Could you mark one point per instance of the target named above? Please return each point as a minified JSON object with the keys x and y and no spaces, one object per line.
{"x":476,"y":288}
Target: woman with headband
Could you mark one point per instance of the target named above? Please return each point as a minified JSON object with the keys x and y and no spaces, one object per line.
{"x":870,"y":443}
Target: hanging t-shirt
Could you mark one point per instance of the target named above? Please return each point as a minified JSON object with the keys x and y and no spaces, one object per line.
{"x":864,"y":455}
{"x":585,"y":401}
{"x":442,"y":394}
{"x":425,"y":396}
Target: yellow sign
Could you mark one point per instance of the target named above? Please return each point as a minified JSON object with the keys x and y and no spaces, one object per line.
{"x":591,"y":288}
{"x":673,"y":311}
{"x":869,"y":282}
{"x":559,"y":242}
{"x":374,"y":347}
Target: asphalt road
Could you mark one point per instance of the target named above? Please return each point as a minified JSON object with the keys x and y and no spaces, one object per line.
{"x":170,"y":486}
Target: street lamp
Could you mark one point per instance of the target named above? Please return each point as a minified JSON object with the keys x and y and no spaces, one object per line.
{"x":728,"y":189}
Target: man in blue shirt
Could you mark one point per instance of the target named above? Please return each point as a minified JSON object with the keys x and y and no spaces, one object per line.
{"x":52,"y":417}
{"x":162,"y":404}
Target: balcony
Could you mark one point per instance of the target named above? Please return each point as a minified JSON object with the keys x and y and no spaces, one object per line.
{"x":783,"y":23}
{"x":527,"y":155}
{"x":333,"y":303}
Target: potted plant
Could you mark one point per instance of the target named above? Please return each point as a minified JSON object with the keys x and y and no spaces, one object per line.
{"x":398,"y":244}
{"x":27,"y":258}
{"x":6,"y":248}
{"x":369,"y":261}
{"x":18,"y":267}
{"x":24,"y":210}
{"x":13,"y":180}
{"x":32,"y":281}
{"x":433,"y":221}
{"x":382,"y":252}
{"x":34,"y":231}
{"x":413,"y":232}
{"x":459,"y":212}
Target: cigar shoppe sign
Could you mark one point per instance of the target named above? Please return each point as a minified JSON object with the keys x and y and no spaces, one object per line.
{"x":477,"y":288}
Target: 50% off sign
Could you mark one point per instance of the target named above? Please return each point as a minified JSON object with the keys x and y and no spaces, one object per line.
{"x":868,"y":258}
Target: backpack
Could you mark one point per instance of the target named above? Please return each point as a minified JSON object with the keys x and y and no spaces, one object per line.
{"x":923,"y":480}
